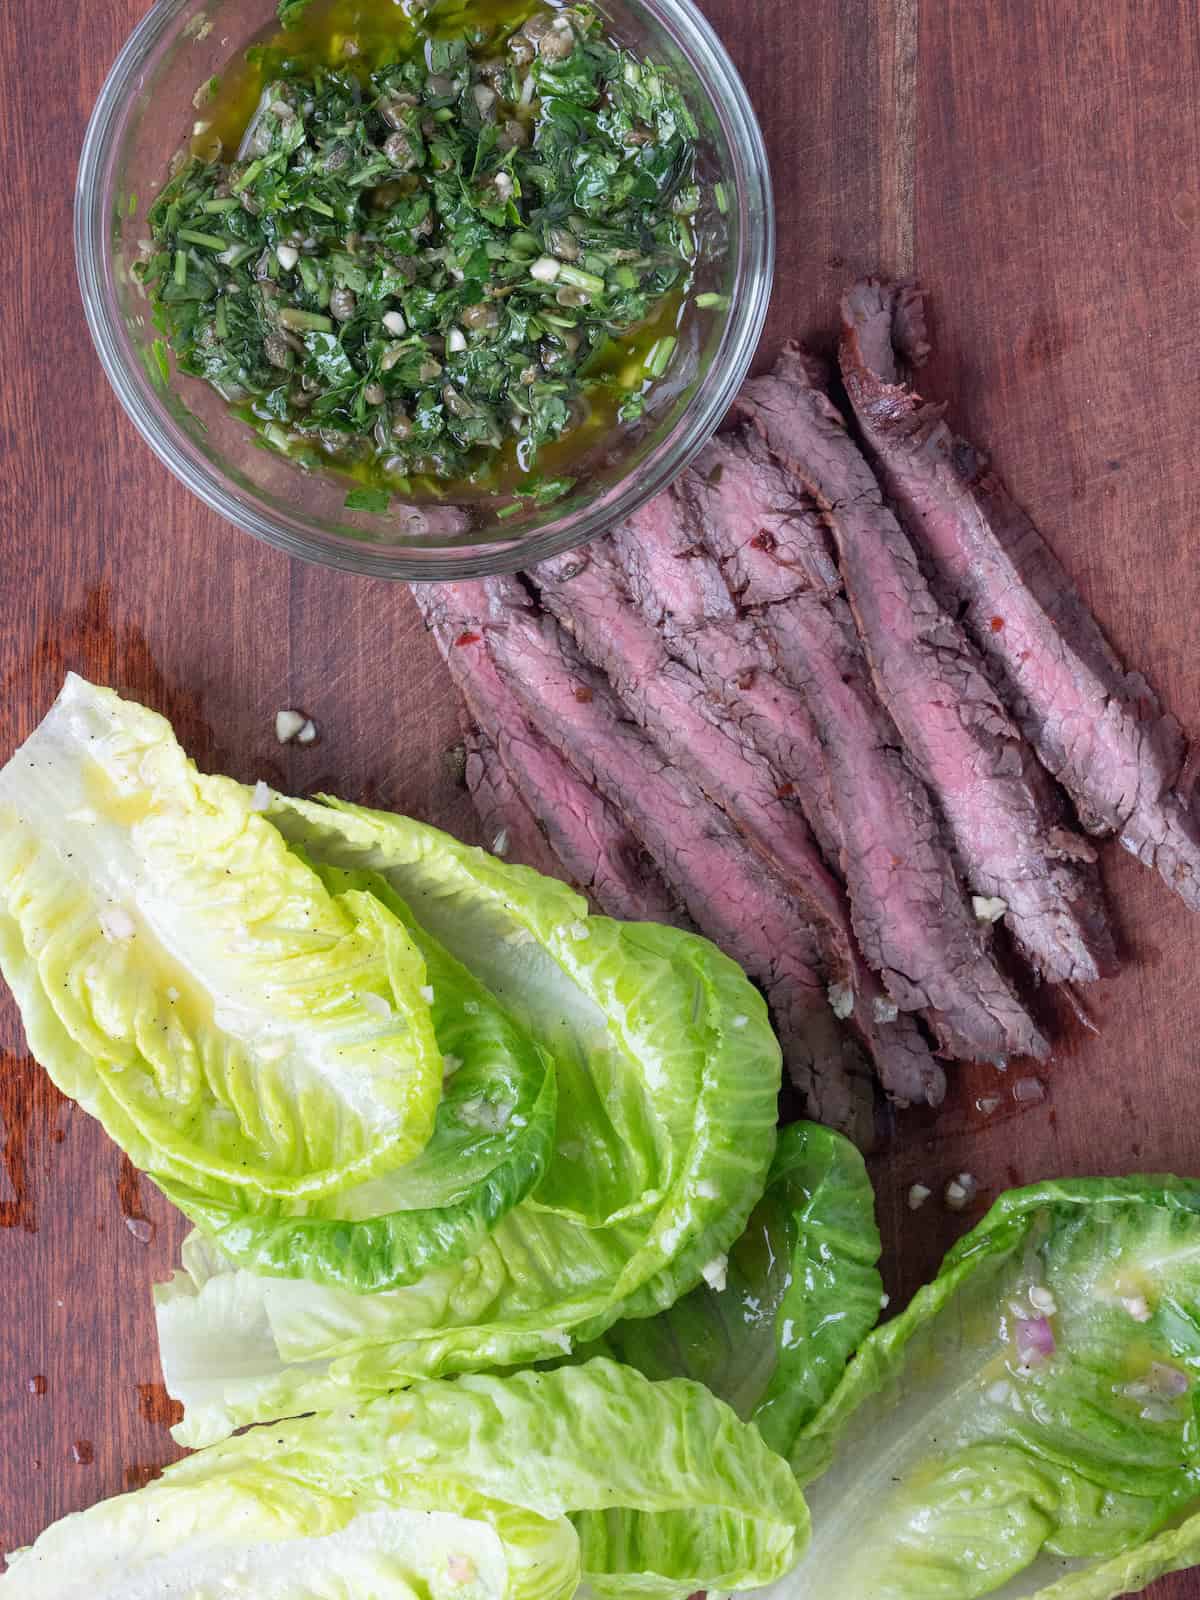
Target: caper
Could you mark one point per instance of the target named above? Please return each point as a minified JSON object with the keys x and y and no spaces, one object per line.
{"x":562,"y":243}
{"x":558,"y":41}
{"x":343,"y":303}
{"x":398,"y":148}
{"x":480,"y":318}
{"x":275,"y":348}
{"x":395,"y":111}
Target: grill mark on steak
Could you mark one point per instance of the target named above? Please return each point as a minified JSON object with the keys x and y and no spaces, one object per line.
{"x":693,"y":844}
{"x":1005,"y":821}
{"x":908,"y":908}
{"x":587,"y":593}
{"x":1099,"y":729}
{"x":596,"y":850}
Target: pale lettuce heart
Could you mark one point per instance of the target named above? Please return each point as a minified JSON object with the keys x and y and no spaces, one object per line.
{"x":668,"y":1076}
{"x":492,"y":1142}
{"x":483,"y":1489}
{"x":190,"y":981}
{"x":575,"y":981}
{"x":1027,"y":1427}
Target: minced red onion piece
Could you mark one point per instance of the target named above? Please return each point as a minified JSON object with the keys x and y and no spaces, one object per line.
{"x":1035,"y":1341}
{"x":1168,"y":1381}
{"x":1028,"y":1090}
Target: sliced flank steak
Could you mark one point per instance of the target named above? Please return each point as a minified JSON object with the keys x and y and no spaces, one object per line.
{"x":1006,"y":824}
{"x":594,"y":847}
{"x":587,"y":592}
{"x":509,"y":827}
{"x":680,"y":591}
{"x":696,"y":849}
{"x":909,"y":911}
{"x":774,"y":545}
{"x":1098,"y":728}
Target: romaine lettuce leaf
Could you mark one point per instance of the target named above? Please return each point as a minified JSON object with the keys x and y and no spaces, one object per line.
{"x":667,"y":1074}
{"x":801,"y":1290}
{"x":492,"y":1142}
{"x":188,"y":980}
{"x":483,"y":1489}
{"x":1174,"y":1550}
{"x":576,"y":982}
{"x":1028,"y":1425}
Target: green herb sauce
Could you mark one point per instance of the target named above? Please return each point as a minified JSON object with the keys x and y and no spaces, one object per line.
{"x":442,"y":249}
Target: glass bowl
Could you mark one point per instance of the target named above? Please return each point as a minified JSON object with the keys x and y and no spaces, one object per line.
{"x":144,"y":115}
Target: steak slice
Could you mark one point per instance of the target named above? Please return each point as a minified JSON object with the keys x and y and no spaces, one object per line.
{"x":510,"y":828}
{"x":909,"y":912}
{"x":698,"y":852}
{"x":1098,"y":728}
{"x":593,"y":845}
{"x":1006,"y":823}
{"x":558,"y":826}
{"x":587,"y":593}
{"x":680,"y":591}
{"x":774,"y":546}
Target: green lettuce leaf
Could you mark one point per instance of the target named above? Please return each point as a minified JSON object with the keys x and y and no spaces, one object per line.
{"x":483,"y":1489}
{"x":1175,"y":1550}
{"x":800,"y":1291}
{"x":1027,"y":1427}
{"x":491,"y":1144}
{"x":667,"y":1081}
{"x":190,"y":981}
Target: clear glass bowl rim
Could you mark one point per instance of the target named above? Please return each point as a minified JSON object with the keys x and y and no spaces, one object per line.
{"x":752,"y":280}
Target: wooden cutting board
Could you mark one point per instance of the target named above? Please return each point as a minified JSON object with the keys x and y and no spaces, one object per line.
{"x":1037,"y":163}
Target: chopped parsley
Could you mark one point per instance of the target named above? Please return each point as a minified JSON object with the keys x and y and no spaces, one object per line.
{"x":418,"y":264}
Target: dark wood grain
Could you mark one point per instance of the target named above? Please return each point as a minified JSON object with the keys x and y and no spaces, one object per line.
{"x":1038,"y":163}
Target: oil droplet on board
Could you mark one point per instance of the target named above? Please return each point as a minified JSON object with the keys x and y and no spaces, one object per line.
{"x":83,"y":1452}
{"x":139,"y":1475}
{"x":129,"y":1196}
{"x":36,"y":1385}
{"x":156,"y":1405}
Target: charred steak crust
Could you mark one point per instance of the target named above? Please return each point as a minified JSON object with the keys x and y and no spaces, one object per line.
{"x":1099,"y":729}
